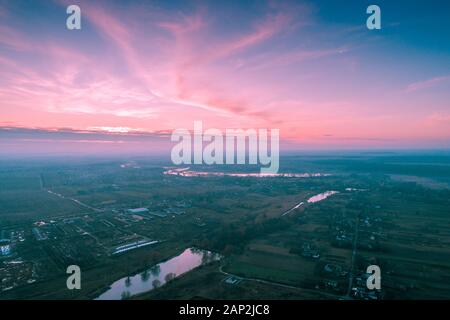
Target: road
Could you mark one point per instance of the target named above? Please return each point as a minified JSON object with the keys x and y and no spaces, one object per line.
{"x":293,"y":208}
{"x":273,"y":283}
{"x":352,"y":267}
{"x":74,"y":200}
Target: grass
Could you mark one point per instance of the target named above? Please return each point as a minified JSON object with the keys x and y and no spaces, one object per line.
{"x":267,"y":262}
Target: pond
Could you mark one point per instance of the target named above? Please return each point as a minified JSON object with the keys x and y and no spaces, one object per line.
{"x":159,"y":274}
{"x":321,"y":196}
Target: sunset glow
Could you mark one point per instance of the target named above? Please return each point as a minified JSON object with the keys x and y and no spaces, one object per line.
{"x":321,"y":77}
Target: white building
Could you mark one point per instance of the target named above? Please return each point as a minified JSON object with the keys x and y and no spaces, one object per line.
{"x":137,"y":210}
{"x":5,"y":249}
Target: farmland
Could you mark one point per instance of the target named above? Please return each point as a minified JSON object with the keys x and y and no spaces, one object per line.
{"x":274,"y":242}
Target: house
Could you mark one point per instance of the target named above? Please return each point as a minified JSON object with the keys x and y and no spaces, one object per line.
{"x":137,"y":211}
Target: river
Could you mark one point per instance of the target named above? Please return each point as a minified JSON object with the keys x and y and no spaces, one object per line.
{"x":159,"y":274}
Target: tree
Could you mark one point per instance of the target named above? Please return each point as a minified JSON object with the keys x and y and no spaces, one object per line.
{"x":170,"y":276}
{"x":156,"y":283}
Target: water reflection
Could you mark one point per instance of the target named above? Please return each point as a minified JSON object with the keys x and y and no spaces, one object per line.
{"x":321,"y":196}
{"x":186,"y":172}
{"x":127,"y":282}
{"x":145,"y":275}
{"x":155,"y":270}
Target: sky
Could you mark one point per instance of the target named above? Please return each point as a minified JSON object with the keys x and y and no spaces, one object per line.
{"x":137,"y":70}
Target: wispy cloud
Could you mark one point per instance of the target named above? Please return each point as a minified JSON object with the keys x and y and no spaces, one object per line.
{"x":275,"y":60}
{"x":425,"y":84}
{"x":96,"y":141}
{"x":439,"y":119}
{"x":256,"y":65}
{"x":89,"y":134}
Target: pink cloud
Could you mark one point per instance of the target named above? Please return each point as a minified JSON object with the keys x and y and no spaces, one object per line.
{"x":152,"y":69}
{"x":13,"y":39}
{"x":274,"y":60}
{"x":420,"y":85}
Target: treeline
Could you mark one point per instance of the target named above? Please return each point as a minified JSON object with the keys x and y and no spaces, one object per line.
{"x":233,"y":237}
